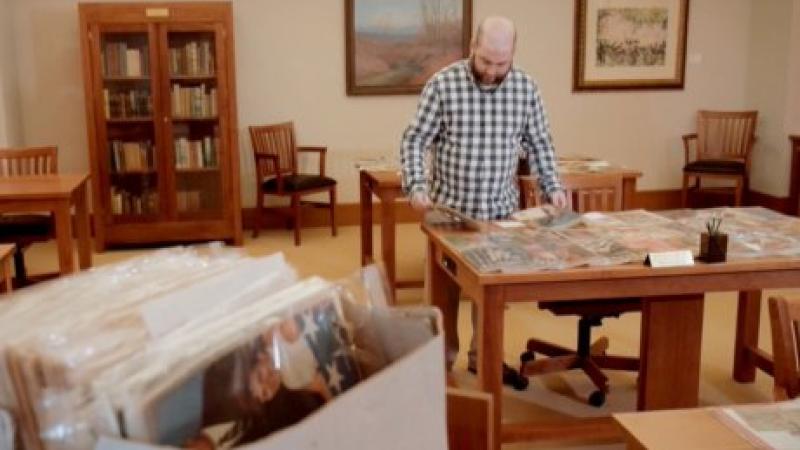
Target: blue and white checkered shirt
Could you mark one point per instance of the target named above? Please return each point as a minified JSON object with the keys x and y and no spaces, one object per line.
{"x":476,"y":136}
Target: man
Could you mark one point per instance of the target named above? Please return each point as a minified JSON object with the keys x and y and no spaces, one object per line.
{"x":476,"y":115}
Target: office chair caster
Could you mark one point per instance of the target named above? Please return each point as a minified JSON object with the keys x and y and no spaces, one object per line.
{"x":597,"y":399}
{"x":514,"y":379}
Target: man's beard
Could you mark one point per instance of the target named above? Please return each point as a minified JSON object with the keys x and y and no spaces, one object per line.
{"x":479,"y":78}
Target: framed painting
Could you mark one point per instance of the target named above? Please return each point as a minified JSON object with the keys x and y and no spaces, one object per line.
{"x":394,"y":46}
{"x":630,"y":44}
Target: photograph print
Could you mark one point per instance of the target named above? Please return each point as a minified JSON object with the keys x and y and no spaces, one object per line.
{"x":629,"y":44}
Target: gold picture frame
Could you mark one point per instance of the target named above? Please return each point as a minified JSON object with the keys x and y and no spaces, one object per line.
{"x":394,"y":46}
{"x":630,"y":44}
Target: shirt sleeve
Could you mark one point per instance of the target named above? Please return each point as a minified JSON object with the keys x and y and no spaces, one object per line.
{"x":538,"y":145}
{"x":417,"y":138}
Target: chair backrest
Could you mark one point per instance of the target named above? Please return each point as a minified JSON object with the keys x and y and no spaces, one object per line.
{"x":585,"y":191}
{"x":274,"y":140}
{"x":726,"y":135}
{"x":784,"y":317}
{"x":28,"y":161}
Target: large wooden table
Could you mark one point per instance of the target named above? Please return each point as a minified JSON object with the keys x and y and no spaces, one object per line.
{"x":385,"y":184}
{"x":671,"y":325}
{"x":58,"y":194}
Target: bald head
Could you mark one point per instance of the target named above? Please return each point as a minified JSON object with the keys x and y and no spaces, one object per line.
{"x":493,"y":50}
{"x":496,"y":33}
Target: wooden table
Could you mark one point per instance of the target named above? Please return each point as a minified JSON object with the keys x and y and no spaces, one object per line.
{"x":58,"y":194}
{"x":671,"y":325}
{"x":6,"y":253}
{"x":685,"y":429}
{"x":385,"y":184}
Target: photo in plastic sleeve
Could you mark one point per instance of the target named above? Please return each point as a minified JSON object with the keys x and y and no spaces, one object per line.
{"x":270,"y":382}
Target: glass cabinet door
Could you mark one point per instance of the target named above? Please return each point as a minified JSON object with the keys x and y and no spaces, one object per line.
{"x":194,"y":124}
{"x":128,"y":128}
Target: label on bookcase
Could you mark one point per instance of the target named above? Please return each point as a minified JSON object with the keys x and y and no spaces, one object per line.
{"x":157,"y":12}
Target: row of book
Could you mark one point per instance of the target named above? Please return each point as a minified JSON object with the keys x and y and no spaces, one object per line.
{"x":194,"y":101}
{"x":194,"y":58}
{"x":119,"y":60}
{"x":127,"y":156}
{"x":196,"y":154}
{"x":126,"y":202}
{"x":127,"y":104}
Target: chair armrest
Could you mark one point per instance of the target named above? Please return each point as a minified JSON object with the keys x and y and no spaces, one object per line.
{"x":278,"y":175}
{"x":686,"y":138}
{"x":322,"y":151}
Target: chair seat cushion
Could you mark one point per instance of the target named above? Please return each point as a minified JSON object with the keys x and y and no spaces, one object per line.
{"x":25,"y":227}
{"x":599,"y":307}
{"x":724,"y":167}
{"x":296,"y":183}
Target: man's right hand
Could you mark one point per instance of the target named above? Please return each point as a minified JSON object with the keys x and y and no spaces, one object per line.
{"x":420,"y":201}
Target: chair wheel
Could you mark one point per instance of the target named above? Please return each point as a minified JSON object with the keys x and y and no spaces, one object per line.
{"x":526,"y":356}
{"x":597,"y":398}
{"x":520,"y":384}
{"x":514,"y":379}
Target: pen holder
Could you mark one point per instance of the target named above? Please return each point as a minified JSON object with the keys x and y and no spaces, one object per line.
{"x":713,"y":247}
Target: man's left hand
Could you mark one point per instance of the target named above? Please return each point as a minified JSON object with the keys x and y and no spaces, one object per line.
{"x":559,"y":199}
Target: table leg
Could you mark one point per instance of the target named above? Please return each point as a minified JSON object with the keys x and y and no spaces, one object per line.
{"x":628,"y":192}
{"x":82,"y":224}
{"x":439,"y":293}
{"x":63,"y":221}
{"x":672,"y":329}
{"x":366,"y":218}
{"x":747,"y":324}
{"x":490,"y":352}
{"x":387,"y":237}
{"x":7,"y":271}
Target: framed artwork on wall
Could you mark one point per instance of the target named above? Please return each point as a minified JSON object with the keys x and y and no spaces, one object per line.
{"x":394,"y":46}
{"x":630,"y":44}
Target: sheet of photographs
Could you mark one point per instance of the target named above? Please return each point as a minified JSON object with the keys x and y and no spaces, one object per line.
{"x":752,"y":232}
{"x":519,"y":250}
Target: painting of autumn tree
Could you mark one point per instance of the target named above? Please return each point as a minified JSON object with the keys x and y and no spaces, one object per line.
{"x":394,"y":46}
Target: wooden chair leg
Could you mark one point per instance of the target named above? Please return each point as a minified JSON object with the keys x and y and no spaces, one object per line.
{"x":259,"y":212}
{"x":296,"y":218}
{"x":685,"y":191}
{"x":21,"y":274}
{"x":332,"y":208}
{"x":738,"y":198}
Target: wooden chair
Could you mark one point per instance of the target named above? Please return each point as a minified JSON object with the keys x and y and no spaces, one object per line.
{"x":723,"y":143}
{"x":784,"y":315}
{"x":276,"y":156}
{"x":585,"y":192}
{"x":25,"y":229}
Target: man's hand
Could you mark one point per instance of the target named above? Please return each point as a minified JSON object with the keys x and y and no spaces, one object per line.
{"x":559,"y":199}
{"x":420,"y":201}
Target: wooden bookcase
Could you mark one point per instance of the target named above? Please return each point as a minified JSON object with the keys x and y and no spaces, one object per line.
{"x":161,"y":118}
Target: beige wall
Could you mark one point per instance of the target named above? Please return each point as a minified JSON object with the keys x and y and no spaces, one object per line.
{"x":290,"y":65}
{"x":793,"y":102}
{"x":10,"y":128}
{"x":767,"y":84}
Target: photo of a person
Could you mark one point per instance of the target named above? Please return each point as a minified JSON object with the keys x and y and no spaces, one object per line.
{"x":275,"y":380}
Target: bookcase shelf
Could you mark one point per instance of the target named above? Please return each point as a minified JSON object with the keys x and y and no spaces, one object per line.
{"x":161,"y":115}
